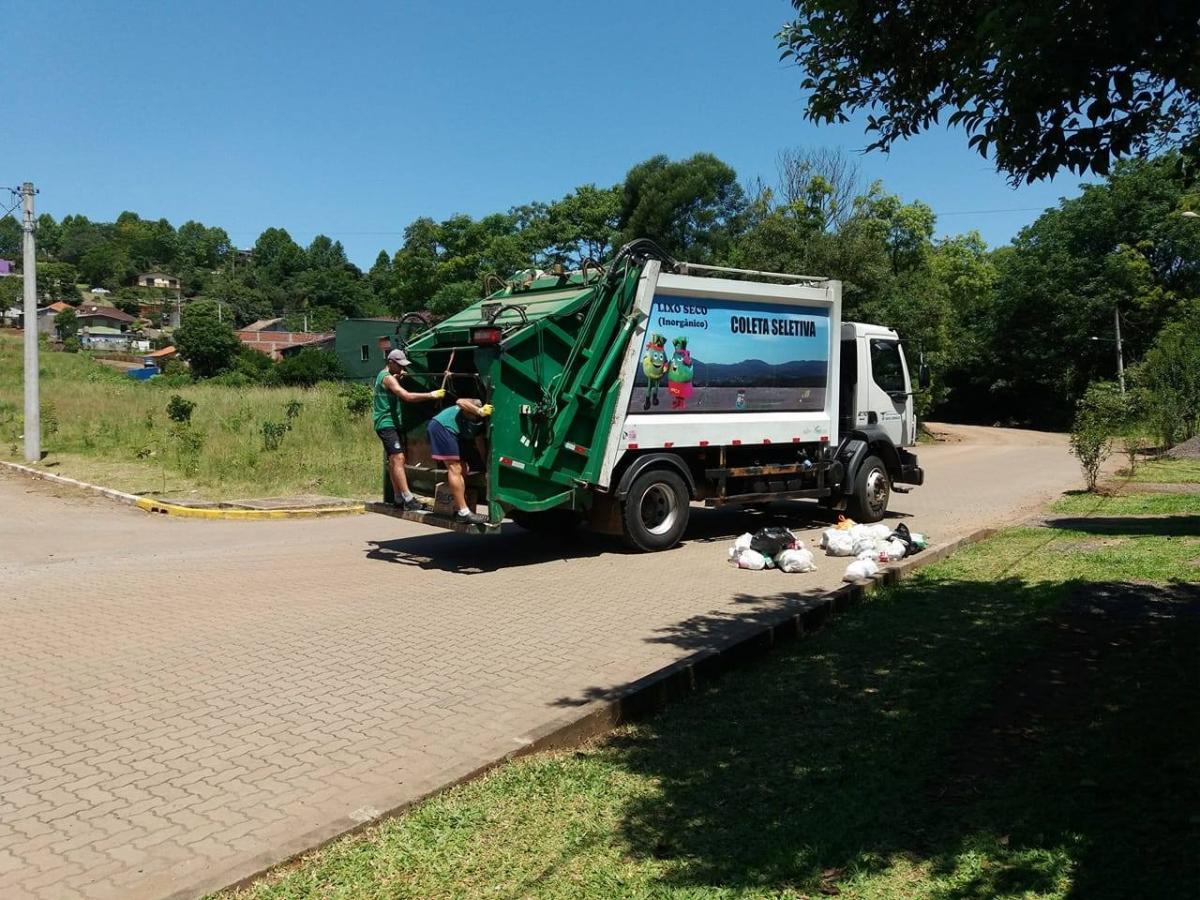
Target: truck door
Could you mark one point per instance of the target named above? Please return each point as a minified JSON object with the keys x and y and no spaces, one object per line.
{"x":887,"y":391}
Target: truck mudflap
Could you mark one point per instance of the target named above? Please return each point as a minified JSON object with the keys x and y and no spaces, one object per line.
{"x":435,"y":520}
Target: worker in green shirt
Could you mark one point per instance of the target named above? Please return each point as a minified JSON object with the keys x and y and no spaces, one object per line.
{"x":451,"y":438}
{"x":387,"y":397}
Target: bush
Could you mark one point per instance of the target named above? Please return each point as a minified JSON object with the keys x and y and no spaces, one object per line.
{"x":272,"y":434}
{"x":72,"y":345}
{"x":256,"y":367}
{"x":175,"y":367}
{"x":310,"y":366}
{"x":180,"y":410}
{"x":358,"y":399}
{"x":1101,"y":413}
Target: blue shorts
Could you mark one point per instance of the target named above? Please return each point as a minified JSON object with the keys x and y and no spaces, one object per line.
{"x":442,"y":441}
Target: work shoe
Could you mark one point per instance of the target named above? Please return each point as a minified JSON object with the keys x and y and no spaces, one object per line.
{"x":413,"y":505}
{"x":471,"y":519}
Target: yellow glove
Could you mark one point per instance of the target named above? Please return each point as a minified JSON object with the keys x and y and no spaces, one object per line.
{"x":486,"y":410}
{"x":438,"y":394}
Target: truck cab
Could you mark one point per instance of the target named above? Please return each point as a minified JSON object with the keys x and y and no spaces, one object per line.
{"x":875,"y":384}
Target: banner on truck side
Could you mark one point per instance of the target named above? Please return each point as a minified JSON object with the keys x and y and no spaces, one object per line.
{"x":703,"y":355}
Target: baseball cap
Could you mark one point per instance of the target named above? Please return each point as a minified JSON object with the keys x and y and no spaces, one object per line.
{"x":398,"y":357}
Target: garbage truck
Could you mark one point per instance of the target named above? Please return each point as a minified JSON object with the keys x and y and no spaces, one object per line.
{"x":626,"y":393}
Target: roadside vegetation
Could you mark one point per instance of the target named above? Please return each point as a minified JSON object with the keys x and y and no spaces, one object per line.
{"x":1018,"y":720}
{"x":174,"y":436}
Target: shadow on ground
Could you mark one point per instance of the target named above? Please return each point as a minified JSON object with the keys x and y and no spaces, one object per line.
{"x":513,"y":547}
{"x":1173,"y":526}
{"x":1047,"y":730}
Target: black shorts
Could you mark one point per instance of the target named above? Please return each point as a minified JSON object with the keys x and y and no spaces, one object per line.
{"x":393,"y":441}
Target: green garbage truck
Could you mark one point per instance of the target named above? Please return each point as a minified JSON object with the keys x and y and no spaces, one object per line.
{"x":626,"y":393}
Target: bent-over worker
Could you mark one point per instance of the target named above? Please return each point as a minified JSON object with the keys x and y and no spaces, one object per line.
{"x":388,"y":395}
{"x":451,"y":437}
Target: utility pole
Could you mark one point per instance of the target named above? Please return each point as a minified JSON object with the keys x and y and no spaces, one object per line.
{"x":1120,"y":354}
{"x":33,"y":417}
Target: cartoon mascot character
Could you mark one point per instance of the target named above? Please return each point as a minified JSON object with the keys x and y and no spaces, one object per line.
{"x":654,"y":365}
{"x":679,"y":376}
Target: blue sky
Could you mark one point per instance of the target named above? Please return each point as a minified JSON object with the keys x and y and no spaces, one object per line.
{"x":354,"y":118}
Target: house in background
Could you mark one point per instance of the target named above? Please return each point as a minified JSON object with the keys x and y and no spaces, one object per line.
{"x":266,"y":325}
{"x":159,"y":280}
{"x":278,"y":344}
{"x":45,"y":317}
{"x":362,"y":345}
{"x":89,"y":315}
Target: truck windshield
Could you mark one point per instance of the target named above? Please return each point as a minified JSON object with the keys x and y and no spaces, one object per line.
{"x":886,"y":367}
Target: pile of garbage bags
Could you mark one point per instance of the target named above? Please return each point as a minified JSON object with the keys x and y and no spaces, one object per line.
{"x":771,"y":548}
{"x":870,"y":545}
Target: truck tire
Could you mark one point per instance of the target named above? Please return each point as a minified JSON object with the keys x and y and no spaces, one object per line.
{"x":655,"y":512}
{"x":872,"y":490}
{"x":551,"y":521}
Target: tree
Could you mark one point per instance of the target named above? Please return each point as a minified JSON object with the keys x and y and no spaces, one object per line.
{"x":11,"y":238}
{"x":691,"y":208}
{"x":1121,"y":245}
{"x":205,"y":341}
{"x":1168,"y":380}
{"x":66,"y":323}
{"x":1041,"y":85}
{"x":324,"y":253}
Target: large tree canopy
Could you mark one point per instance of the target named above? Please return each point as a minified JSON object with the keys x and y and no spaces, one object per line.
{"x":1040,"y":85}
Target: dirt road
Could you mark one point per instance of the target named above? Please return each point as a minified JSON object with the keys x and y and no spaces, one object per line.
{"x":187,"y":701}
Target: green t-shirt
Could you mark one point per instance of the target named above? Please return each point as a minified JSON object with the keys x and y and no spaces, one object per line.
{"x":458,"y":422}
{"x":449,"y":418}
{"x":386,"y":405}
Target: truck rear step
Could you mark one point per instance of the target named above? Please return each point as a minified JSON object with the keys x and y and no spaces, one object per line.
{"x":452,"y":523}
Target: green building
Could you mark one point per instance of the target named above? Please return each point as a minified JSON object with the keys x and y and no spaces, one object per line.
{"x":362,"y":346}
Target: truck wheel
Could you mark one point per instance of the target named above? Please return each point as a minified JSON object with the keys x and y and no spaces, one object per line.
{"x":655,"y":512}
{"x":872,"y":490}
{"x":550,"y":521}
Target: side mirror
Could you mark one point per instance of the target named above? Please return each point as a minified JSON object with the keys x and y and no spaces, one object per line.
{"x":923,"y":377}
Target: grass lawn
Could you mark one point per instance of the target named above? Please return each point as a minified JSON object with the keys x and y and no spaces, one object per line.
{"x":99,"y":425}
{"x":1016,"y":721}
{"x":1136,"y":504}
{"x":1164,"y":471}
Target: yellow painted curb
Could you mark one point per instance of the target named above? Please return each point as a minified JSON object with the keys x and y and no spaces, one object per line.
{"x":192,"y":512}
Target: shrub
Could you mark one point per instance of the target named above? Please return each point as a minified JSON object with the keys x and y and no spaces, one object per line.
{"x":72,"y":345}
{"x":357,"y":398}
{"x":256,"y":367}
{"x":272,"y":434}
{"x":175,"y":367}
{"x":310,"y":366}
{"x":180,"y":410}
{"x":1101,"y":413}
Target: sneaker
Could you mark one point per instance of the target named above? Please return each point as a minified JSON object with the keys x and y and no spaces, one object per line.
{"x":471,"y":519}
{"x":413,"y":505}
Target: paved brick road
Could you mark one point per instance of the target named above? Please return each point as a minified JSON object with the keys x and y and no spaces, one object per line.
{"x":186,"y":701}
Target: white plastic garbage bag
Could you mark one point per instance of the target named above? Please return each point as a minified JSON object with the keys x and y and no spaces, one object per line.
{"x":895,"y":549}
{"x":840,"y":543}
{"x":800,"y":560}
{"x":866,"y":545}
{"x":743,"y":541}
{"x":860,"y":569}
{"x":750,"y":559}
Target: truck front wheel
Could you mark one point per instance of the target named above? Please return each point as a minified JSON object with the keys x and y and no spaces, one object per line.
{"x":872,"y":490}
{"x":655,"y":512}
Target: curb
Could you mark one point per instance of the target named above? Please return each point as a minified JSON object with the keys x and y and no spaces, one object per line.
{"x":247,"y":515}
{"x":110,"y":493}
{"x":643,"y":697}
{"x":191,"y":512}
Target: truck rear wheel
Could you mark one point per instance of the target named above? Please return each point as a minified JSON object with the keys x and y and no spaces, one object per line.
{"x":655,"y":512}
{"x":872,"y":490}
